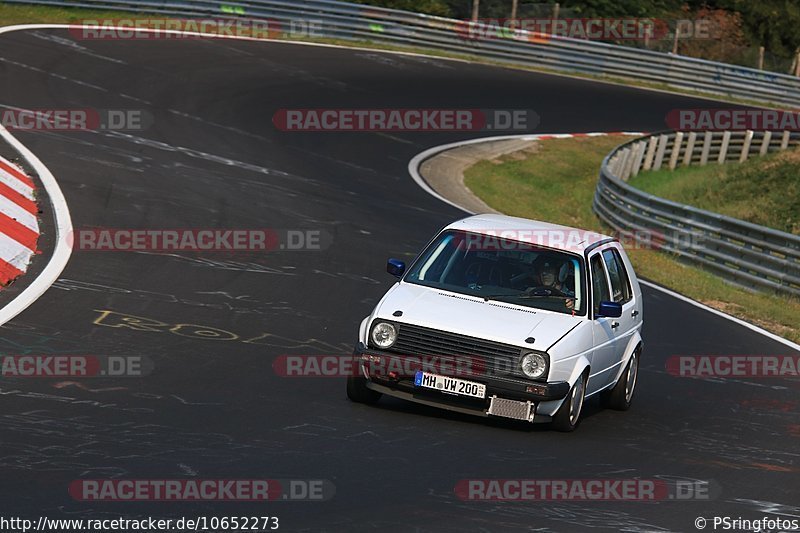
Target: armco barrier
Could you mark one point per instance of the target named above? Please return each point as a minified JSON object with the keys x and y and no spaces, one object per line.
{"x":358,"y":22}
{"x":748,"y":254}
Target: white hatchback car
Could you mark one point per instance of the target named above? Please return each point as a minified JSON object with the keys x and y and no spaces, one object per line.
{"x":509,"y":317}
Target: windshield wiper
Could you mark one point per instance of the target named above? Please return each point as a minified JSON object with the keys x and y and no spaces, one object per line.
{"x":532,"y":296}
{"x":488,"y":297}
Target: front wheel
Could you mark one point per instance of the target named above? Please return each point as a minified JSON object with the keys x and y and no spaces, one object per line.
{"x":358,"y":392}
{"x":569,"y":414}
{"x":621,"y":396}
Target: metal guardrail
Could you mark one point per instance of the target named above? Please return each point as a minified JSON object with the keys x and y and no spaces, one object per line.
{"x":358,"y":22}
{"x":748,"y":254}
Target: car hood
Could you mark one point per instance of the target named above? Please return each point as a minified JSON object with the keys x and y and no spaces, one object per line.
{"x":475,"y":317}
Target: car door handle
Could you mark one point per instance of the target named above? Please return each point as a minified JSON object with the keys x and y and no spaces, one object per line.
{"x":634,"y":313}
{"x":614,"y":325}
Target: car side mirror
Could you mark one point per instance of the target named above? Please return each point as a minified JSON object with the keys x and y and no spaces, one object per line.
{"x":395,"y":267}
{"x":610,"y":310}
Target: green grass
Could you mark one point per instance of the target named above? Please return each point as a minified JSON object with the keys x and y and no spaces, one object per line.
{"x":764,"y":190}
{"x":11,"y":14}
{"x":557,"y":184}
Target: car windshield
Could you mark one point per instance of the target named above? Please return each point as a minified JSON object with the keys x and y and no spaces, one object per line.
{"x":500,"y":269}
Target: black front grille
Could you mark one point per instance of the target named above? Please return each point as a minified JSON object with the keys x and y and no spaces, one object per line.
{"x":416,"y":340}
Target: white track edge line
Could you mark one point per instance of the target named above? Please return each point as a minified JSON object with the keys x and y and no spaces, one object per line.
{"x":63,"y":227}
{"x":413,"y":169}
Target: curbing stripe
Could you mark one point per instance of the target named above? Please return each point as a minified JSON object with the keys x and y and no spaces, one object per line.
{"x":14,"y":254}
{"x":27,"y":219}
{"x":8,"y":272}
{"x":12,"y":228}
{"x":14,"y":183}
{"x":19,"y":227}
{"x":12,"y":170}
{"x":19,"y":199}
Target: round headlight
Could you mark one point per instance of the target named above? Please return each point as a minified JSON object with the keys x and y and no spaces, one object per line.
{"x":383,"y":334}
{"x":534,"y":365}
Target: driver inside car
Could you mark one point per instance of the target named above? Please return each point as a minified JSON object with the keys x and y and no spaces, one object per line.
{"x":551,"y":277}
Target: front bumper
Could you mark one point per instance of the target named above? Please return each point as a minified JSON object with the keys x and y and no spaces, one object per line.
{"x":401,"y":385}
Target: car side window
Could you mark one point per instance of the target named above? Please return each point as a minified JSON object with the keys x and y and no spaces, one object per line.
{"x":599,"y":284}
{"x":620,"y":284}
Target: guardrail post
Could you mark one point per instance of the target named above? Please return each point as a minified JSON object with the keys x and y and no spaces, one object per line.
{"x":627,"y":163}
{"x":651,"y":151}
{"x":748,"y":140}
{"x":676,"y":150}
{"x":613,"y":165}
{"x":638,"y":154}
{"x":662,"y":147}
{"x":785,"y":140}
{"x":475,"y":9}
{"x":723,"y":150}
{"x":687,"y":157}
{"x":709,"y":136}
{"x":619,"y":164}
{"x":765,"y":143}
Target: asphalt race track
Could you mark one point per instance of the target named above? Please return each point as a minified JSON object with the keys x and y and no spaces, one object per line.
{"x":214,"y":408}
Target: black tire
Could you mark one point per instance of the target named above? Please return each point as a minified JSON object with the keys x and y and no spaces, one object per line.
{"x":621,"y":396}
{"x":568,"y":416}
{"x":357,"y":391}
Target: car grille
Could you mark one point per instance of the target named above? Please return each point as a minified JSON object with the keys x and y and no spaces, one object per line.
{"x":416,"y":340}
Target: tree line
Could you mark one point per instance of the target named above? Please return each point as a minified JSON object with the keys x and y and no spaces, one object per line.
{"x":743,"y":25}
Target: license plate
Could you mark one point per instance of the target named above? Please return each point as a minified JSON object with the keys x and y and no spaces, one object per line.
{"x":460,"y":387}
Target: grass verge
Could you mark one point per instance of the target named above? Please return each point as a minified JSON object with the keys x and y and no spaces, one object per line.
{"x":557,"y":184}
{"x":764,"y":190}
{"x":11,"y":14}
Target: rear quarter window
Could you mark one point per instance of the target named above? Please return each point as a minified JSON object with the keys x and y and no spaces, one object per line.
{"x":620,"y":282}
{"x":599,"y":284}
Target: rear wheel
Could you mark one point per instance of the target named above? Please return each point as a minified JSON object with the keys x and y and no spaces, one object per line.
{"x":568,"y":415}
{"x":621,"y":396}
{"x":357,"y":391}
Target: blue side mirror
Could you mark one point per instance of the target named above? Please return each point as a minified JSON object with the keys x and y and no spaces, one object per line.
{"x":395,"y":267}
{"x":610,"y":310}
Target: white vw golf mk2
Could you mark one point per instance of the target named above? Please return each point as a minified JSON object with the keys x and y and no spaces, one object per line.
{"x":509,"y":317}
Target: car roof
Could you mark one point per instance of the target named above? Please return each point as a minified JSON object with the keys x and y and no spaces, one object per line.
{"x":530,"y":231}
